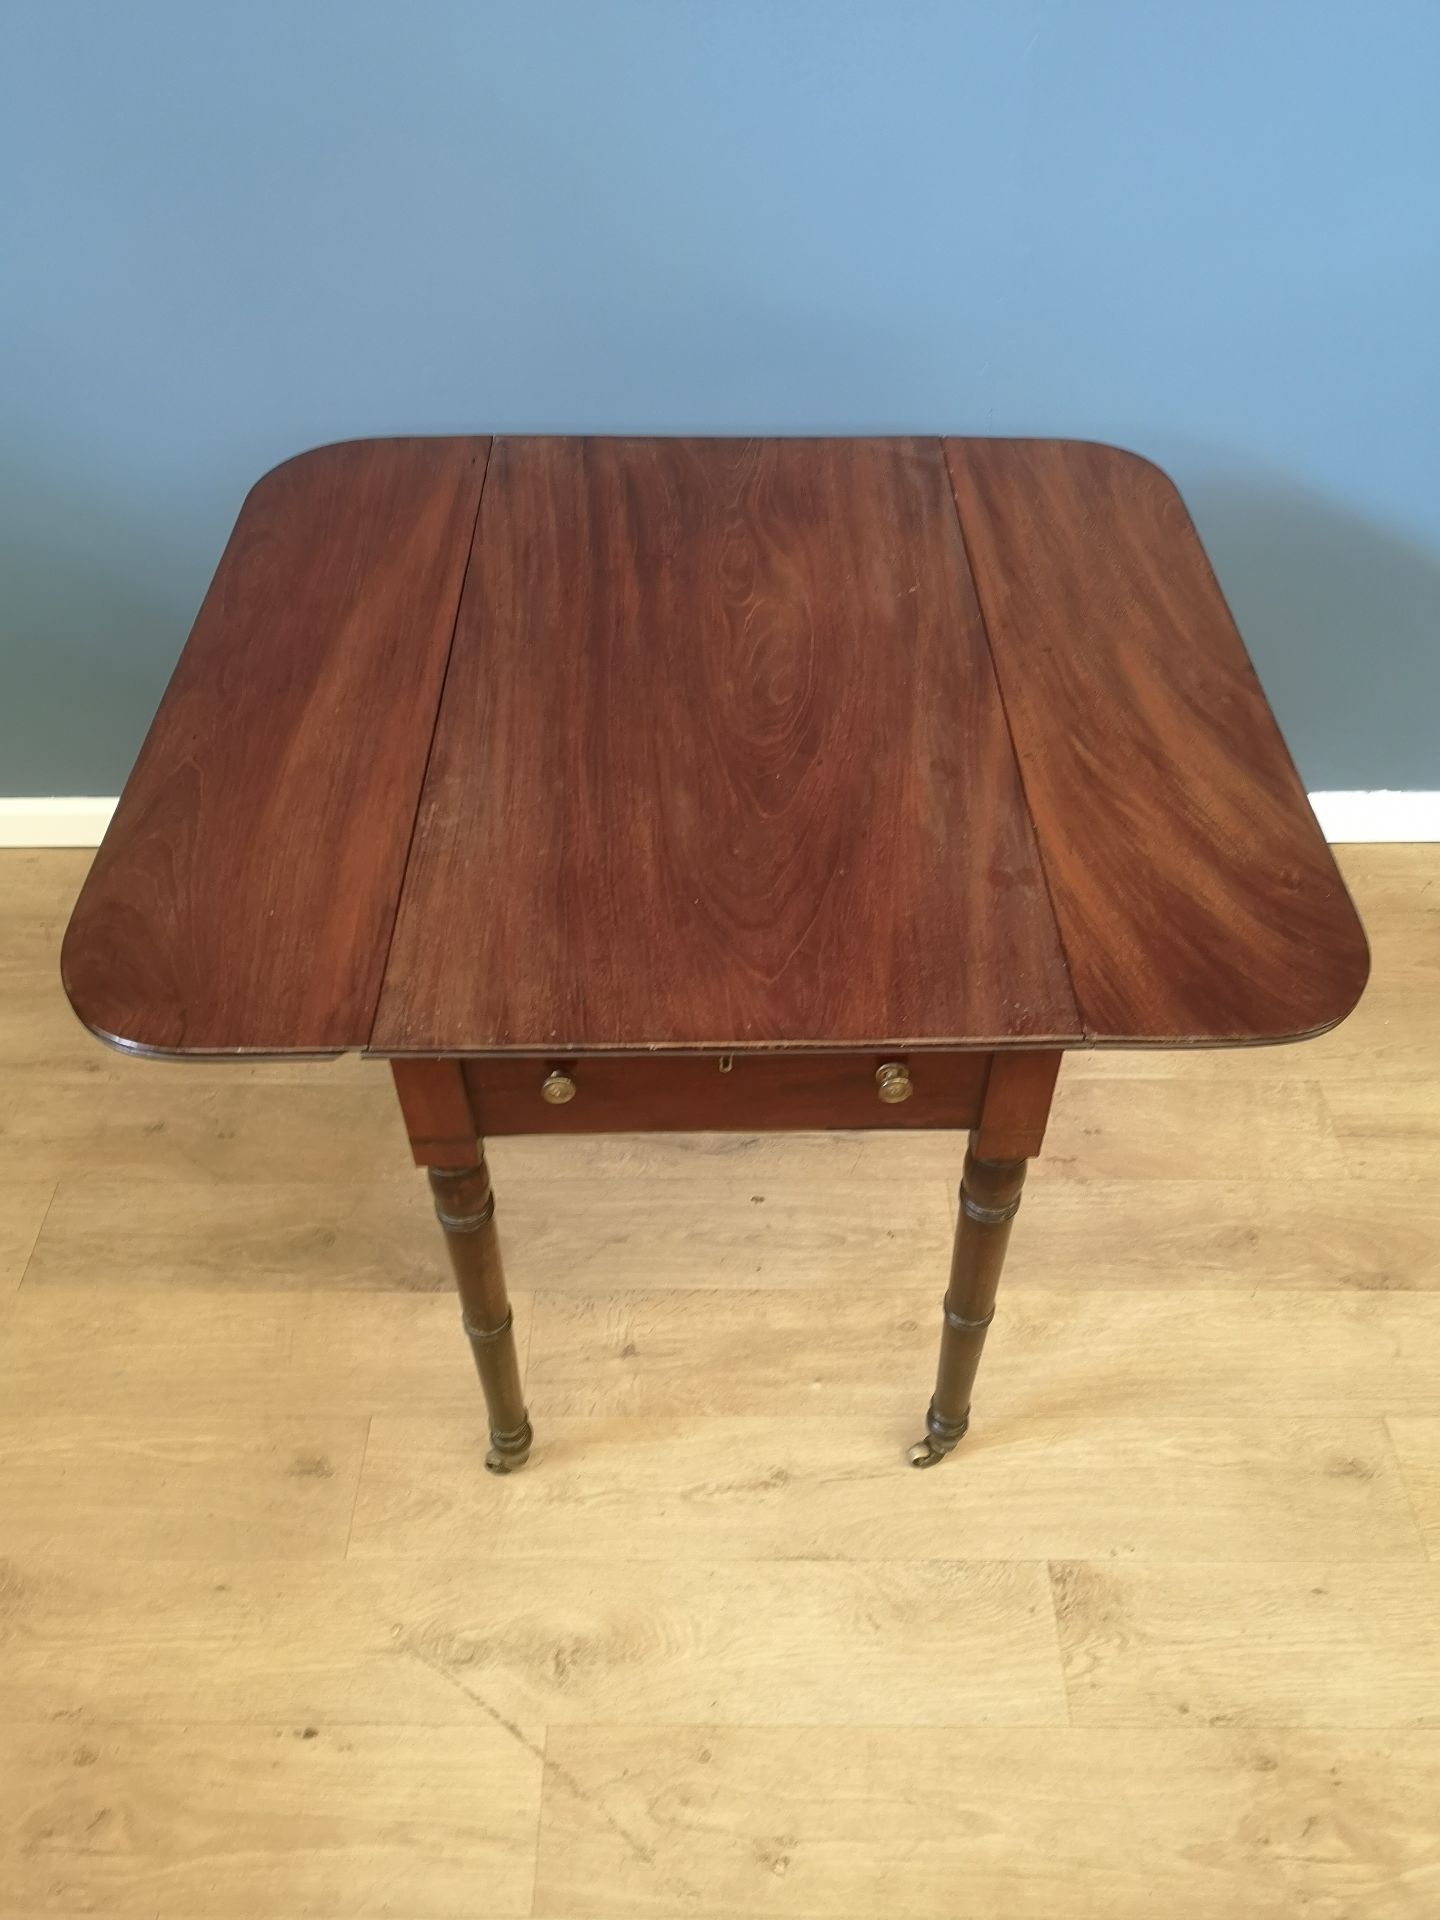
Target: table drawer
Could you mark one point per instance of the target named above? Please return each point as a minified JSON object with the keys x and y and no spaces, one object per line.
{"x":760,"y":1092}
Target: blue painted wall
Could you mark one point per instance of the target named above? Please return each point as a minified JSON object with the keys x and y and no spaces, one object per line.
{"x":1208,"y":232}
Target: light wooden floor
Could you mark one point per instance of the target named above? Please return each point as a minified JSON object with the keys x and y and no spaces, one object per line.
{"x":1161,"y":1642}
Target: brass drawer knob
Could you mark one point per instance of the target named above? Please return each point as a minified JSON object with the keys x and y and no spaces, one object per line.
{"x":557,"y":1088}
{"x":893,"y":1080}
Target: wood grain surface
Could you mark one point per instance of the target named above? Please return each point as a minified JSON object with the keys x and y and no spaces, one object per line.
{"x":1197,"y":899}
{"x":1327,"y":1643}
{"x":229,"y":1822}
{"x":720,"y":763}
{"x":718,"y":759}
{"x":244,"y":895}
{"x":1417,"y":1446}
{"x":177,"y":1489}
{"x":813,"y":1642}
{"x":683,"y":1486}
{"x":720,"y":1822}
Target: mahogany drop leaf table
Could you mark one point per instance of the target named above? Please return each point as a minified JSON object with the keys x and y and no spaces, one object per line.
{"x":628,"y":784}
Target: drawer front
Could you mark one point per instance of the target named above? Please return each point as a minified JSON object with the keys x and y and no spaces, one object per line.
{"x":744,"y":1093}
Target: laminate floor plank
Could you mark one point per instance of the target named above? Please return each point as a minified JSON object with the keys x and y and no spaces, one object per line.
{"x":175,"y":1488}
{"x":1086,"y":1823}
{"x":457,"y":1641}
{"x":201,"y":1352}
{"x":293,"y":1236}
{"x":1053,"y":1350}
{"x":238,"y":1821}
{"x":579,"y":1233}
{"x":1328,"y":1644}
{"x":784,"y":1488}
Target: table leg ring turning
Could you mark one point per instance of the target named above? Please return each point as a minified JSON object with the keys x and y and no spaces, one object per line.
{"x":465,"y":1208}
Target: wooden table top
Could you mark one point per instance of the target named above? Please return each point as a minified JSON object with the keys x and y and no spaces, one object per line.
{"x":555,"y":746}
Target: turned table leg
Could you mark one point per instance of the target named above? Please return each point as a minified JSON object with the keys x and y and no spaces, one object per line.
{"x":465,"y":1208}
{"x":989,"y":1200}
{"x":444,"y":1140}
{"x":1016,"y":1105}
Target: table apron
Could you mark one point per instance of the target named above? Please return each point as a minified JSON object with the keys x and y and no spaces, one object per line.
{"x":741,"y":1092}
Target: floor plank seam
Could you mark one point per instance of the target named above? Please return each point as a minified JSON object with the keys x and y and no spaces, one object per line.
{"x":1398,"y":1458}
{"x":181,"y":1721}
{"x":1052,"y":1587}
{"x":539,"y":1819}
{"x":548,"y":1768}
{"x":359,"y":1484}
{"x":34,"y":1244}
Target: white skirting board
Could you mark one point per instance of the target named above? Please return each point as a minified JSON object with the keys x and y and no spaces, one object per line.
{"x":65,"y":822}
{"x":74,"y":822}
{"x":1377,"y":816}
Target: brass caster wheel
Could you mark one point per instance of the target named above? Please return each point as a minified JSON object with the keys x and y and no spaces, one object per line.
{"x":509,"y":1451}
{"x":941,"y":1437}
